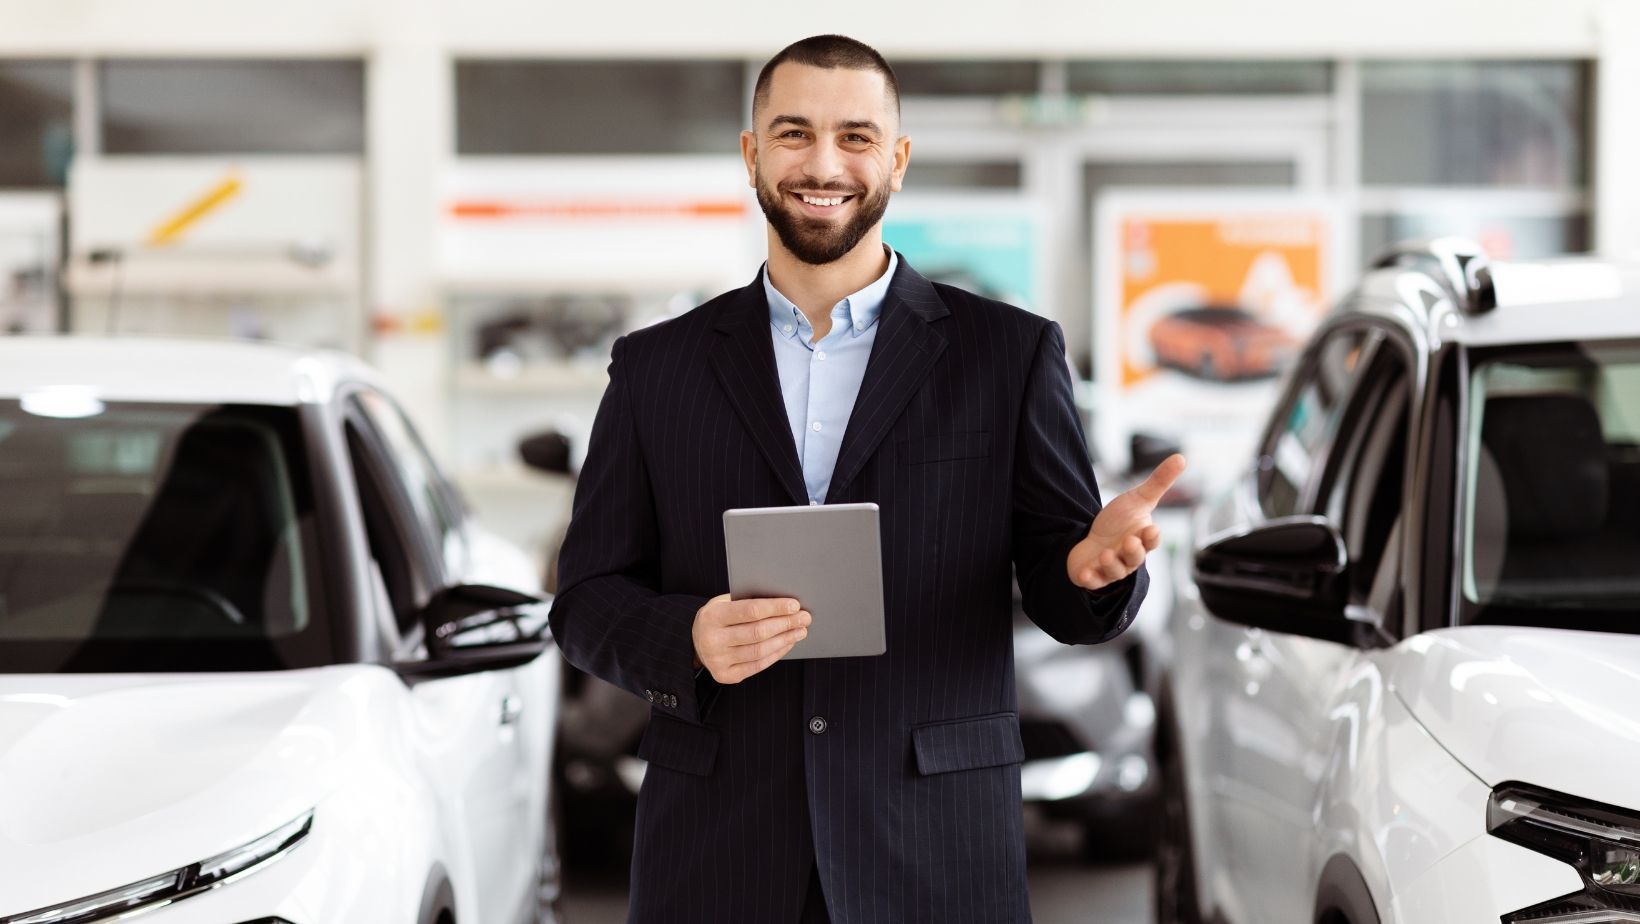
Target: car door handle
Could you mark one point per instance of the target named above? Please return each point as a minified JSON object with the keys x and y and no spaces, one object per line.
{"x":512,"y":707}
{"x":1251,"y":647}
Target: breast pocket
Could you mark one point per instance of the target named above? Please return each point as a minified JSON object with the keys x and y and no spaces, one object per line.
{"x":945,"y":447}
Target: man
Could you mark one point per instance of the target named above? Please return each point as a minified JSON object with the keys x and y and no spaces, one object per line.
{"x":879,"y":789}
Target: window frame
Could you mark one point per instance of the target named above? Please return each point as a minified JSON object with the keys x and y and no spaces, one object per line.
{"x":1303,"y":376}
{"x":448,"y":506}
{"x":424,"y":564}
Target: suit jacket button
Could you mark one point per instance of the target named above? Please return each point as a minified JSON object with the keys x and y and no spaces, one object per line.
{"x":671,"y":701}
{"x":817,"y":725}
{"x":649,"y":695}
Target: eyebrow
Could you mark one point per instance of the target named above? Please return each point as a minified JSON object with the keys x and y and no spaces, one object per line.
{"x":804,"y":122}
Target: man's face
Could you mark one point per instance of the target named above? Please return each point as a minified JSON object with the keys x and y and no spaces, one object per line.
{"x":824,"y":135}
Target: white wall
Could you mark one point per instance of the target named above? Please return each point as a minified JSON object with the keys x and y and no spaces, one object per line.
{"x":666,"y":28}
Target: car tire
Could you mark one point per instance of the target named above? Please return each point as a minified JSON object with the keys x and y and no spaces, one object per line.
{"x":1206,"y":368}
{"x":1175,"y":865}
{"x":1131,"y":838}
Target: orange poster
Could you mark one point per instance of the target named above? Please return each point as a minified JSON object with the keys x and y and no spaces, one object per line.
{"x":1203,"y":301}
{"x":1224,"y":298}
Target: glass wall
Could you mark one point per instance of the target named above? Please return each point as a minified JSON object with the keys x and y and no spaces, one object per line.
{"x":1497,"y":151}
{"x":599,"y":107}
{"x":36,"y":122}
{"x":232,"y":107}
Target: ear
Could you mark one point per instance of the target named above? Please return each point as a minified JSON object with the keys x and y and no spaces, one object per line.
{"x":748,"y":153}
{"x":902,"y":159}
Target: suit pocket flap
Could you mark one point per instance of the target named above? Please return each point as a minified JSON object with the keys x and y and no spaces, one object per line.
{"x":679,"y":745}
{"x":943,"y":446}
{"x":967,"y":744}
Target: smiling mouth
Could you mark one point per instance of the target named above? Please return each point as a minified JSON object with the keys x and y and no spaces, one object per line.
{"x":822,"y":202}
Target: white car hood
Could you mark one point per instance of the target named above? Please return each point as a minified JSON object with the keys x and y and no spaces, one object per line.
{"x":1549,"y":707}
{"x":106,"y":779}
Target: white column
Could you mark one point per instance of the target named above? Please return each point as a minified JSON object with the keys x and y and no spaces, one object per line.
{"x":410,"y":113}
{"x":1616,"y":181}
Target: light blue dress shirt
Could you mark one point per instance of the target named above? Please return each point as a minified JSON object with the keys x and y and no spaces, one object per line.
{"x":820,"y":381}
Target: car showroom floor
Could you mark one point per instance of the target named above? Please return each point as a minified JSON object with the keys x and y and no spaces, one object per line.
{"x":1065,"y":889}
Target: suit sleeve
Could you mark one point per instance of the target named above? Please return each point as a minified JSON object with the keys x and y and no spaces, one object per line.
{"x":609,"y":616}
{"x":1054,"y":502}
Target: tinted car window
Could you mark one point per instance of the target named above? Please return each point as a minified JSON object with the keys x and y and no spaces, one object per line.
{"x":431,"y":498}
{"x":138,"y":537}
{"x":1364,"y":497}
{"x":1551,"y":498}
{"x":1308,"y":421}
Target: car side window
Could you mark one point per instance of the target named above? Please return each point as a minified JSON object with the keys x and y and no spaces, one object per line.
{"x":393,"y":543}
{"x":432,"y":499}
{"x":1364,"y":483}
{"x":1309,"y":420}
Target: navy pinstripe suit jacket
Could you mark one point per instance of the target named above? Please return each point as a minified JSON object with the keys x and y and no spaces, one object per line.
{"x":965,"y":434}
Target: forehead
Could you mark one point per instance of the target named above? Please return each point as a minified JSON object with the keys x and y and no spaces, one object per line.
{"x":826,"y":95}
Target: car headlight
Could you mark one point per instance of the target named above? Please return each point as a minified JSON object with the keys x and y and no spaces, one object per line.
{"x":1601,"y":842}
{"x":158,"y":891}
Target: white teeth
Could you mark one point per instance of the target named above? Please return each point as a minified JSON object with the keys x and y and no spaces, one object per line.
{"x":815,"y":200}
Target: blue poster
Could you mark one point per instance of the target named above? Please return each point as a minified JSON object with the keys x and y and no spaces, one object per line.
{"x":990,"y":255}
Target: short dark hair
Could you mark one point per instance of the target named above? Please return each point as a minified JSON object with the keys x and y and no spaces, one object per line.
{"x":830,"y":52}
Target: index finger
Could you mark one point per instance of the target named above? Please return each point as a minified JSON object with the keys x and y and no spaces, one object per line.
{"x":1154,"y":487}
{"x":755,"y":608}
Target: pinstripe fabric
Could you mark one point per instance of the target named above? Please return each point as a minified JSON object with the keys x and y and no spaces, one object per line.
{"x":965,"y":434}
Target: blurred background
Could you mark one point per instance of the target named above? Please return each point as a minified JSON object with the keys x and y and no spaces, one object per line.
{"x":478,"y":197}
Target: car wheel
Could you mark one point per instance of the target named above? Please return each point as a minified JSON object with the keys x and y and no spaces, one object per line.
{"x":1175,"y":883}
{"x":1206,"y":367}
{"x":1130,"y":838}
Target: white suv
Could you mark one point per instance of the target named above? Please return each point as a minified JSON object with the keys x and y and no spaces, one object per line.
{"x":1406,"y":678}
{"x":257,"y":664}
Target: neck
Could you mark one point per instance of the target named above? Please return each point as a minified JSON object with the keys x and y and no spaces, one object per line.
{"x":815,"y":289}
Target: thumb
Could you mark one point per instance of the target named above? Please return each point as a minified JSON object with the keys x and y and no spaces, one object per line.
{"x":1152,"y":489}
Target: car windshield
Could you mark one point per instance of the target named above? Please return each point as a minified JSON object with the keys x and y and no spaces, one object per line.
{"x":1552,"y":488}
{"x":156,"y":537}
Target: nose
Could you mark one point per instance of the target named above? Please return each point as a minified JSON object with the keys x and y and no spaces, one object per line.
{"x":824,"y":162}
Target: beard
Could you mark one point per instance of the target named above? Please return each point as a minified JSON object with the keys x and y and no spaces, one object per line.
{"x":813,"y":240}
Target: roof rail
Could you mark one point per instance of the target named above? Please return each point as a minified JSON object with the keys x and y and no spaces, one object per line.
{"x":1456,"y":263}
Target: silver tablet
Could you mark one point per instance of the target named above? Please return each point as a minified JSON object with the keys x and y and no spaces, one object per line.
{"x":828,"y":557}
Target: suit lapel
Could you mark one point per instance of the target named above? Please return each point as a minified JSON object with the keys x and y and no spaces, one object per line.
{"x":902,"y":355}
{"x":742,"y":356}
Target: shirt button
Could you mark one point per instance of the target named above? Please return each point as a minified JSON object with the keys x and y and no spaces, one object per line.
{"x":816,"y":426}
{"x":817,"y":725}
{"x":820,"y":355}
{"x":786,"y":328}
{"x":814,"y":503}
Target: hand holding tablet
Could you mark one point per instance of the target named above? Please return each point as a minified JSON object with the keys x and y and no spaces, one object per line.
{"x":826,"y":559}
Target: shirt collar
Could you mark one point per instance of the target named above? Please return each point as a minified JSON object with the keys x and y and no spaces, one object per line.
{"x":860,"y":310}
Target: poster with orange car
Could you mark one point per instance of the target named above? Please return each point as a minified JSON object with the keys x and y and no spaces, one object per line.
{"x":1202,"y":301}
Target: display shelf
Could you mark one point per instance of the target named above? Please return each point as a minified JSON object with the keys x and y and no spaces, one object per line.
{"x":592,"y":280}
{"x":185,"y":276}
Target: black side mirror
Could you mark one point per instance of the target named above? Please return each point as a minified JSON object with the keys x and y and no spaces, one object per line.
{"x":547,"y":451}
{"x":477,"y":627}
{"x":1286,"y":575}
{"x":1148,"y":450}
